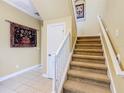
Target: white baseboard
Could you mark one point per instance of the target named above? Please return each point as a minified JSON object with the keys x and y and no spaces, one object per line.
{"x":18,"y":73}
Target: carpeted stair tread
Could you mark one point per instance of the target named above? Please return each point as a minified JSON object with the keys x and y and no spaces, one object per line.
{"x":88,"y":46}
{"x":89,"y":65}
{"x":88,"y":71}
{"x":87,"y":37}
{"x":89,"y":50}
{"x":77,"y":87}
{"x":89,"y":75}
{"x":90,"y":40}
{"x":88,"y":57}
{"x":97,"y":45}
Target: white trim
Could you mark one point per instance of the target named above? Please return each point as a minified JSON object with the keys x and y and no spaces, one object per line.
{"x":64,"y":77}
{"x":21,"y":9}
{"x":117,"y":67}
{"x":18,"y":73}
{"x":112,"y":86}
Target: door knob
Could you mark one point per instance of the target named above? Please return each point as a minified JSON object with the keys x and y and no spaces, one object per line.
{"x":49,"y":54}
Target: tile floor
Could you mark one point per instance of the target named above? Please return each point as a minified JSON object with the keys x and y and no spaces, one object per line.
{"x":28,"y":82}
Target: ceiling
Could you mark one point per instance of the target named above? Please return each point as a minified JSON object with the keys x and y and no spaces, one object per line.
{"x":52,"y":9}
{"x":25,"y":6}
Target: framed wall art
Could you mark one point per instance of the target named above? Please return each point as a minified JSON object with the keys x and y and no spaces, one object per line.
{"x":22,"y":36}
{"x":80,"y":11}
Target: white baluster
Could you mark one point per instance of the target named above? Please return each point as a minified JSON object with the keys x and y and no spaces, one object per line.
{"x":61,"y":59}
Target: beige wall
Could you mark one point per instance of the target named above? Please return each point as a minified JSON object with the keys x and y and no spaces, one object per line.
{"x":114,"y":20}
{"x":67,"y":21}
{"x":90,"y":25}
{"x":74,"y":25}
{"x":10,"y":57}
{"x":57,"y":11}
{"x":118,"y":80}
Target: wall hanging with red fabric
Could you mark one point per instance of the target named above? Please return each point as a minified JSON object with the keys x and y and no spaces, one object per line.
{"x":22,"y":36}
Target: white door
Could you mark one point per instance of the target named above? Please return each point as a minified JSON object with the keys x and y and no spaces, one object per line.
{"x":55,"y":36}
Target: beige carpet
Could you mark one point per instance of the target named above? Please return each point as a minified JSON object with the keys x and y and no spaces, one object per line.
{"x":88,"y":72}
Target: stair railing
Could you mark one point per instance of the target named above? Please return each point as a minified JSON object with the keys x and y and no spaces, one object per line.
{"x":61,"y":59}
{"x":111,"y":49}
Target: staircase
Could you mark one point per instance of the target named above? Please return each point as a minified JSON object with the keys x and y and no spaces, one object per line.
{"x":88,"y":71}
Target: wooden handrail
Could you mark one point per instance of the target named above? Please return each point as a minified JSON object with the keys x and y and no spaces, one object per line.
{"x":114,"y":49}
{"x":111,"y":49}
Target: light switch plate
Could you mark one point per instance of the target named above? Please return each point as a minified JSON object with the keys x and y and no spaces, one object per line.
{"x":17,"y":66}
